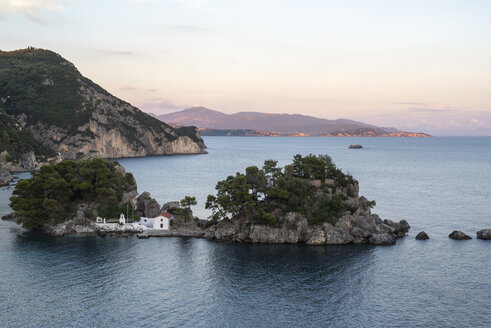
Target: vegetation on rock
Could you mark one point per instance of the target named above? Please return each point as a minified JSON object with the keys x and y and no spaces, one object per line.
{"x":17,"y":141}
{"x":311,"y":185}
{"x":53,"y":194}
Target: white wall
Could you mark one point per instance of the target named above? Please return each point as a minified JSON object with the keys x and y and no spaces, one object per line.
{"x":147,"y":222}
{"x":161,"y":223}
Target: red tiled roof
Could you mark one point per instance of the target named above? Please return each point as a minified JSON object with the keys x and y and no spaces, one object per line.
{"x":166,"y":215}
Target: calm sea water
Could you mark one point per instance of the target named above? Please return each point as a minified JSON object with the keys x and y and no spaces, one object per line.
{"x":437,"y":184}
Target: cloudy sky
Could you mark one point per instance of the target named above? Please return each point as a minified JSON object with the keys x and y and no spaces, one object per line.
{"x":416,"y":65}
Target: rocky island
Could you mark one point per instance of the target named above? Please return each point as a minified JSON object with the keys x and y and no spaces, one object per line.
{"x":309,"y":201}
{"x":50,"y":112}
{"x":67,"y":197}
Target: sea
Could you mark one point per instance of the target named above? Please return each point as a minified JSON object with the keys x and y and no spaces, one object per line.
{"x":437,"y":184}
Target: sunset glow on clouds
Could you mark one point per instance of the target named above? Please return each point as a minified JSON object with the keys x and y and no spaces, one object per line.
{"x":416,"y":65}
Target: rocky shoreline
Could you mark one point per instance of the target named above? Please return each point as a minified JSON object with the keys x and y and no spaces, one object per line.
{"x":351,"y":223}
{"x":351,"y":229}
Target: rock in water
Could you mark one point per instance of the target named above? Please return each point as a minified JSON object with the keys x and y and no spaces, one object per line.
{"x":5,"y":177}
{"x":357,"y":146}
{"x":422,"y":236}
{"x":382,"y":239}
{"x":484,"y":234}
{"x":459,"y":235}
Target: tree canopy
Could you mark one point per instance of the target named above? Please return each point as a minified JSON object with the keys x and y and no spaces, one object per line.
{"x":264,"y":194}
{"x":53,"y":193}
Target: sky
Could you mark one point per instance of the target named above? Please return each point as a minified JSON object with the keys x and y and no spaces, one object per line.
{"x":416,"y":65}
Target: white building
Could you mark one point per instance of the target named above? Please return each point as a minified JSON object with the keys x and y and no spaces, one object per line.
{"x":122,"y":219}
{"x":162,"y":222}
{"x":147,"y":222}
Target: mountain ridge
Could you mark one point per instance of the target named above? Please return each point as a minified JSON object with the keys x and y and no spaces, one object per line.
{"x":212,"y":122}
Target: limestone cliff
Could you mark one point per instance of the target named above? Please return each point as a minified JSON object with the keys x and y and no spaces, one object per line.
{"x":49,"y":109}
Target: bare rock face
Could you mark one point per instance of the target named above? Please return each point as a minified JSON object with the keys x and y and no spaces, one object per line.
{"x":290,"y":231}
{"x":422,"y":236}
{"x":5,"y":177}
{"x":318,"y":237}
{"x":382,"y":239}
{"x":484,"y":234}
{"x":337,"y":236}
{"x":224,"y":230}
{"x":79,"y":218}
{"x":400,"y":228}
{"x":360,"y":236}
{"x":147,"y":206}
{"x":74,"y":226}
{"x":130,"y":196}
{"x":189,"y":227}
{"x":294,"y":228}
{"x":29,"y":162}
{"x":458,"y":235}
{"x":170,"y":206}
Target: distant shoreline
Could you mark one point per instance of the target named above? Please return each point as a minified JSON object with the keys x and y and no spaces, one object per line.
{"x":365,"y":133}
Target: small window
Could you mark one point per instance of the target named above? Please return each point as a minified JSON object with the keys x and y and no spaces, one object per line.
{"x":161,"y":225}
{"x":145,"y":220}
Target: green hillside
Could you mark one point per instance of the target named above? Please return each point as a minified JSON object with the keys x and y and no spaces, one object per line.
{"x":39,"y":89}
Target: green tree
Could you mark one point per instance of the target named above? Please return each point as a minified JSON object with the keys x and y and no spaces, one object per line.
{"x":53,"y":193}
{"x":262,"y":194}
{"x":233,"y":197}
{"x":188,"y":201}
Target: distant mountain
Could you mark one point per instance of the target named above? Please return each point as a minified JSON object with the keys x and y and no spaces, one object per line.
{"x":50,"y":112}
{"x":213,"y":122}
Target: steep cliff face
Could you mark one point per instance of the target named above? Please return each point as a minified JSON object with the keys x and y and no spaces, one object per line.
{"x":45,"y":98}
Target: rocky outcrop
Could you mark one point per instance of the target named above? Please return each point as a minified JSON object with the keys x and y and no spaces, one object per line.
{"x":5,"y":177}
{"x":88,"y":227}
{"x":74,"y":226}
{"x":422,"y":236}
{"x":187,"y":226}
{"x":130,"y":197}
{"x":147,"y":206}
{"x":459,"y":235}
{"x":123,"y":230}
{"x":358,"y":225}
{"x":382,"y":239}
{"x":484,"y":234}
{"x":27,"y":162}
{"x":170,"y":206}
{"x":293,"y":228}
